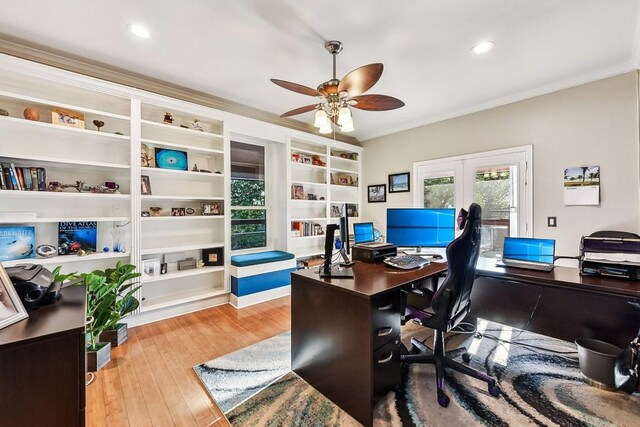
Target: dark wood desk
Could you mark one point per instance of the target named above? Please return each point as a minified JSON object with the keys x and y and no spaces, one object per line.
{"x":568,"y":305}
{"x":42,"y":365}
{"x":345,"y":333}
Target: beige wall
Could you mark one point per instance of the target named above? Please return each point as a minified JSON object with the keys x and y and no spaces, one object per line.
{"x":591,"y":124}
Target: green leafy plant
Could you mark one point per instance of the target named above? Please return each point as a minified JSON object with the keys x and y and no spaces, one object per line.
{"x":110,"y":297}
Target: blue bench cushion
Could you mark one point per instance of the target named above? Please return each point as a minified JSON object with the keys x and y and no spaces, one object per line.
{"x":260,"y":258}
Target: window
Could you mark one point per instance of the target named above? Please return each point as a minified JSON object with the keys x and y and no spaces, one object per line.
{"x":248,"y":196}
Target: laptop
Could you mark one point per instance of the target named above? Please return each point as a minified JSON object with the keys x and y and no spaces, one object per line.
{"x":529,"y":253}
{"x":363,"y":235}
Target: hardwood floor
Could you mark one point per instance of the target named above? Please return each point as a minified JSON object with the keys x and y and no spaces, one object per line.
{"x":150,"y":380}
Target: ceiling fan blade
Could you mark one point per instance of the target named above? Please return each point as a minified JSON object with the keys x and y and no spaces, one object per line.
{"x":300,"y":110}
{"x":296,"y":87}
{"x":376,"y":102}
{"x":361,"y":79}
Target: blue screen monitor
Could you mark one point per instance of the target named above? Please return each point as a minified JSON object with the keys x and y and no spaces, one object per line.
{"x":421,"y":227}
{"x":527,"y":249}
{"x":363,"y":232}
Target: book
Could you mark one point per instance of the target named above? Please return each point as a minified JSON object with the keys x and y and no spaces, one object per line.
{"x":21,"y":185}
{"x":17,"y":242}
{"x":3,"y":184}
{"x":34,"y":179}
{"x":26,"y":173}
{"x":76,"y":235}
{"x":7,"y":178}
{"x":42,"y":179}
{"x":14,"y":177}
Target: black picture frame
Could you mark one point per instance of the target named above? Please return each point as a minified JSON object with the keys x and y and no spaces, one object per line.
{"x":213,"y":256}
{"x":399,"y":182}
{"x":377,"y":193}
{"x":145,"y":185}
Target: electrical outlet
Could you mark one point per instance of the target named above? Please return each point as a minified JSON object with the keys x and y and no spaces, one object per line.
{"x":552,"y":221}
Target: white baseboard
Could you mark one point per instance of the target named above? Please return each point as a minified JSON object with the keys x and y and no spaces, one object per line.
{"x":166,"y":313}
{"x":257,"y":298}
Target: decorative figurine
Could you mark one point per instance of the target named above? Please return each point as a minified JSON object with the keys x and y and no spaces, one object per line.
{"x":3,"y":112}
{"x":155,"y":211}
{"x":118,"y":234}
{"x":218,"y":172}
{"x":195,"y":168}
{"x":46,"y":251}
{"x":118,"y":133}
{"x":80,"y":186}
{"x":205,"y":171}
{"x":98,"y":123}
{"x":146,"y":159}
{"x":200,"y":263}
{"x":168,"y":118}
{"x":106,"y":249}
{"x":196,"y":125}
{"x":31,"y":113}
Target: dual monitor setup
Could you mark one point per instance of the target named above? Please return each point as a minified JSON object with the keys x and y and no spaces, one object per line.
{"x":419,"y":228}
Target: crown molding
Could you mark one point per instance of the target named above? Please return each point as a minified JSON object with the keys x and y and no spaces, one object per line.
{"x":44,"y":55}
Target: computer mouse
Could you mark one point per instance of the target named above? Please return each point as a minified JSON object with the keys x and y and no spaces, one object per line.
{"x":437,"y":256}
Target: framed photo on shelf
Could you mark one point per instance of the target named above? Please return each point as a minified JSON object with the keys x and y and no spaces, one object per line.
{"x":213,"y":256}
{"x":178,"y":212}
{"x":212,"y":208}
{"x":11,"y":308}
{"x":151,"y":267}
{"x":399,"y":183}
{"x":377,"y":193}
{"x":297,"y":192}
{"x":306,"y":160}
{"x":171,"y":159}
{"x":146,"y":159}
{"x":67,"y":118}
{"x":346,"y":180}
{"x":145,"y":185}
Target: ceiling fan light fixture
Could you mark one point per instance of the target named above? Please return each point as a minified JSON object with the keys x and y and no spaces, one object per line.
{"x":483,"y":47}
{"x":321,"y":119}
{"x":325,"y":128}
{"x":347,"y":127}
{"x":344,"y":116}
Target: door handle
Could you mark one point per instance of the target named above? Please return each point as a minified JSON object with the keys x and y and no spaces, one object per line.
{"x":385,"y":307}
{"x":383,"y":332}
{"x":386,"y":359}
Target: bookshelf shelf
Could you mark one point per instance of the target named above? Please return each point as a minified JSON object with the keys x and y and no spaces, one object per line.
{"x":183,"y":248}
{"x":186,"y":147}
{"x":179,"y":130}
{"x":62,"y":195}
{"x":12,"y":124}
{"x":17,"y":220}
{"x":179,"y":274}
{"x":166,"y":197}
{"x":64,"y":259}
{"x":185,"y":174}
{"x":180,"y":218}
{"x":308,"y":166}
{"x":38,"y":161}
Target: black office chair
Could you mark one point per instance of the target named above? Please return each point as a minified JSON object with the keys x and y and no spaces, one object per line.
{"x":449,"y":305}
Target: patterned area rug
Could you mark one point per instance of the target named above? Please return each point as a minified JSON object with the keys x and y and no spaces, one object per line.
{"x":539,"y":388}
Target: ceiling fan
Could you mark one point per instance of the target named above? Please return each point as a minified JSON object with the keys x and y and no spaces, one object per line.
{"x":336,"y":96}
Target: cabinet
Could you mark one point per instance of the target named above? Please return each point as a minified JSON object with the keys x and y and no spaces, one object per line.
{"x":42,"y":363}
{"x":323,"y":179}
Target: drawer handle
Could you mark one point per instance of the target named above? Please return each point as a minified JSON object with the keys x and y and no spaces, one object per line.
{"x":385,"y":307}
{"x":383,"y":332}
{"x":386,"y":359}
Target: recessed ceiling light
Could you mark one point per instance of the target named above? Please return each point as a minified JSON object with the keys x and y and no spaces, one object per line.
{"x":139,"y":30}
{"x":482,"y":47}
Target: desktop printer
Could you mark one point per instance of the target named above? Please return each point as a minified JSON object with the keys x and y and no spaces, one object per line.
{"x":373,"y":252}
{"x":610,"y":253}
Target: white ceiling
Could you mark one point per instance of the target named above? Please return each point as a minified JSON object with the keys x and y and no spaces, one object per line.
{"x":232,"y":48}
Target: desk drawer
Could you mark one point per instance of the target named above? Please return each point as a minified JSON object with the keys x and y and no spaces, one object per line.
{"x":386,"y":368}
{"x":385,"y":319}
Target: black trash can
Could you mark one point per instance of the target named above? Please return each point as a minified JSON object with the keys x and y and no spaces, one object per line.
{"x":597,"y":362}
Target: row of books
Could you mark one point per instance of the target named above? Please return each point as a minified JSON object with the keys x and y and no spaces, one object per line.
{"x":22,"y":178}
{"x":303,"y":229}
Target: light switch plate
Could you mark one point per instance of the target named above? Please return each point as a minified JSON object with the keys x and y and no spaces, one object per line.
{"x":552,"y":221}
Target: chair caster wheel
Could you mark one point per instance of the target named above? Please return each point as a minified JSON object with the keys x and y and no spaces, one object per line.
{"x":494,"y":390}
{"x":466,"y":357}
{"x":443,"y":400}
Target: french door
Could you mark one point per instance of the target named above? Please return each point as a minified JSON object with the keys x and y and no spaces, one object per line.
{"x":499,"y":181}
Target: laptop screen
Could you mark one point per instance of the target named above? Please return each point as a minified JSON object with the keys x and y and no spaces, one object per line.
{"x":363,"y":232}
{"x":527,"y":249}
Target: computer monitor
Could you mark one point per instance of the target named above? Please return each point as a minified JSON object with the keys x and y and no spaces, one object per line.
{"x":363,"y":232}
{"x":421,"y":227}
{"x":529,"y":249}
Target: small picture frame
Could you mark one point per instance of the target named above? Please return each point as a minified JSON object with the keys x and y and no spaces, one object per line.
{"x":151,"y":267}
{"x":307,"y":160}
{"x":213,"y":256}
{"x":11,"y":308}
{"x":145,"y":214}
{"x":69,"y":118}
{"x":212,"y":208}
{"x":297,"y":192}
{"x":190,"y":211}
{"x":178,"y":212}
{"x":399,"y":183}
{"x":377,"y":193}
{"x":346,"y":180}
{"x":145,"y":185}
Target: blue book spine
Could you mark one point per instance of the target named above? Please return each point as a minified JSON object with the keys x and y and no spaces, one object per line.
{"x":14,"y":177}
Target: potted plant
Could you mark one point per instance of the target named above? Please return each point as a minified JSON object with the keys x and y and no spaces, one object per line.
{"x":109,"y":298}
{"x":125,"y":303}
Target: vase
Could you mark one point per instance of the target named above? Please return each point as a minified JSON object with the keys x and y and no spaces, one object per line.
{"x":118,"y":235}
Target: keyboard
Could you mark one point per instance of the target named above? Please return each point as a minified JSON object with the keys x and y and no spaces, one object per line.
{"x":406,"y":262}
{"x":525,"y":264}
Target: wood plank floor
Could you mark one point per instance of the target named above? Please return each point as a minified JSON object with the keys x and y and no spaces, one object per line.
{"x":150,"y":380}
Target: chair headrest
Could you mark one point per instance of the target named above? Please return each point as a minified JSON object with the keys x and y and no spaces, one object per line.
{"x":474,"y":214}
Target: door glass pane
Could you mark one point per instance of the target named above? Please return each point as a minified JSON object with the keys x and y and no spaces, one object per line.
{"x":439,"y":191}
{"x":495,"y":190}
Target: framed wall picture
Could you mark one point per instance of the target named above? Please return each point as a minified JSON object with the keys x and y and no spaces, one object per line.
{"x":399,"y":183}
{"x":145,"y":185}
{"x":11,"y":308}
{"x":213,"y":256}
{"x":171,"y":159}
{"x":67,"y":118}
{"x":212,"y":208}
{"x":377,"y":193}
